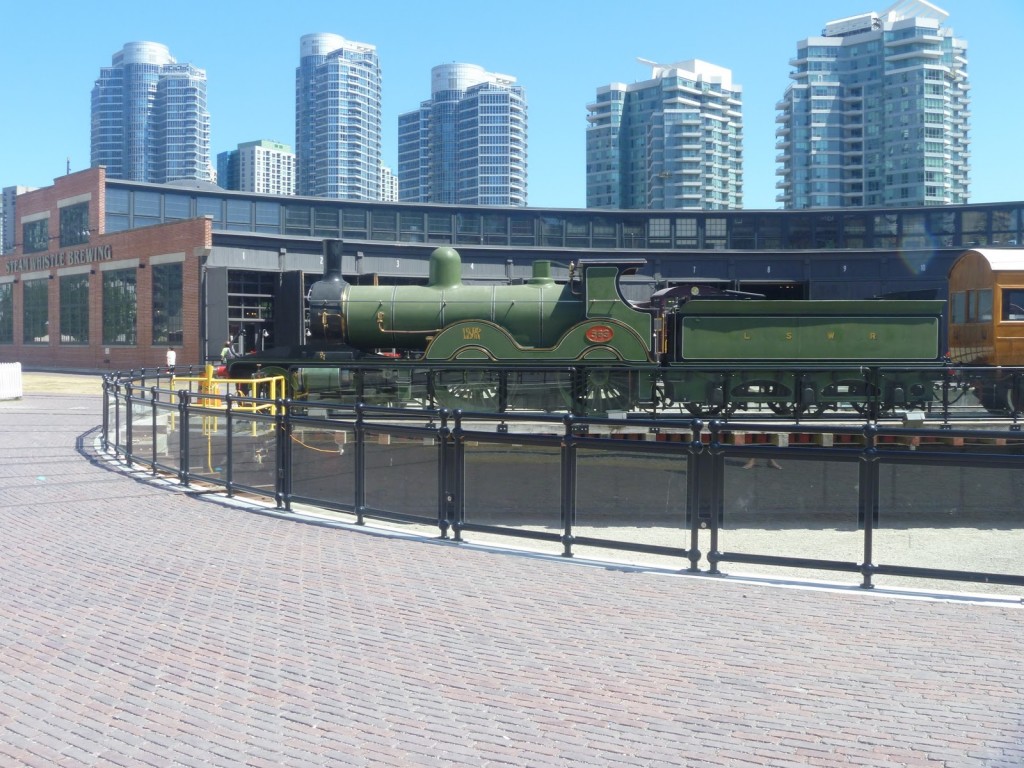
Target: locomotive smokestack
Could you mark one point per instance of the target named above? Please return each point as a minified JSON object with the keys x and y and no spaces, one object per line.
{"x":332,"y":259}
{"x":325,"y":318}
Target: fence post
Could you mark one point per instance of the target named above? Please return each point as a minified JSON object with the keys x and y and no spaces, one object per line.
{"x":104,"y":436}
{"x":867,"y":501}
{"x":283,"y":426}
{"x":229,"y":474}
{"x":152,"y":401}
{"x":451,"y":511}
{"x":183,"y":442}
{"x":359,"y":486}
{"x":711,"y":467}
{"x":693,"y":492}
{"x":128,"y":448}
{"x":568,"y":471}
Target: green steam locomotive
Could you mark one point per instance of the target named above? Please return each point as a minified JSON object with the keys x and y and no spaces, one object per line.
{"x":580,"y":346}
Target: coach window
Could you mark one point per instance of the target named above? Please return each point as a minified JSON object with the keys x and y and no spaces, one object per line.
{"x":1013,"y":303}
{"x":985,"y":305}
{"x":958,"y":308}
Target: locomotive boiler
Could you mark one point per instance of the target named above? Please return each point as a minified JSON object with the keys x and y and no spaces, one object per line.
{"x":578,"y":345}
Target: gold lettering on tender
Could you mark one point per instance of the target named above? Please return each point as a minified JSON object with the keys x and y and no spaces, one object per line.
{"x":789,"y":335}
{"x":872,"y":336}
{"x":746,"y":336}
{"x":831,"y":335}
{"x":471,"y":333}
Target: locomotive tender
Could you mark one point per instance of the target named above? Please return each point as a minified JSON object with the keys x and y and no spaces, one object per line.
{"x":580,"y":346}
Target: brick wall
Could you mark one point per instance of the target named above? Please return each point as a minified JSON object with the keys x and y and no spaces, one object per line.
{"x":192,"y":238}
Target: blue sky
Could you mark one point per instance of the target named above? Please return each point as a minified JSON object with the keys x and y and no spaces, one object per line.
{"x":561,"y":52}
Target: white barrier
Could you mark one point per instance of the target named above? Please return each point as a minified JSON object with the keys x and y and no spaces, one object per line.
{"x":10,"y":381}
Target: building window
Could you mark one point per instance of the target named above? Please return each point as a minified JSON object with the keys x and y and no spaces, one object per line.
{"x":74,"y":309}
{"x":35,"y":311}
{"x":119,"y":306}
{"x":7,"y":313}
{"x":177,"y":207}
{"x":35,"y":236}
{"x":74,"y":225}
{"x":167,"y":292}
{"x":325,"y":222}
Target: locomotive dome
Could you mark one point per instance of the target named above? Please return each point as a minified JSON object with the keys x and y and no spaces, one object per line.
{"x":445,"y":268}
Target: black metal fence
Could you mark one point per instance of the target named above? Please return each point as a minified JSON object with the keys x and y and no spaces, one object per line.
{"x":874,"y":499}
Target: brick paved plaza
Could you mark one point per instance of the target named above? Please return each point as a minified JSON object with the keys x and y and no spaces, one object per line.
{"x":146,"y":626}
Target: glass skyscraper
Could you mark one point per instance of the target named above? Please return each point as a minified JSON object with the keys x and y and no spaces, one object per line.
{"x":674,"y":141}
{"x":877,"y":113}
{"x":149,"y":117}
{"x":467,"y":143}
{"x":338,"y":118}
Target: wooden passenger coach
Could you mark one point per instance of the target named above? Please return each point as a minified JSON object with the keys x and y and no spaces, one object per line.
{"x":986,"y":307}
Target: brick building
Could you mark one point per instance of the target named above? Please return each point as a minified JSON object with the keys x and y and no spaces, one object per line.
{"x":76,"y":297}
{"x":106,"y":274}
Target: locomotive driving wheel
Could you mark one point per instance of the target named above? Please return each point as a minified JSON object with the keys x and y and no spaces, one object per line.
{"x":467,"y":389}
{"x":598,"y":390}
{"x":608,"y":390}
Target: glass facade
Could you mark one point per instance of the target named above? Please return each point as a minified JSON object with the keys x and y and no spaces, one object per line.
{"x":338,"y":119}
{"x":877,"y":114}
{"x":130,"y":206}
{"x":672,"y":142}
{"x":149,"y":117}
{"x":468,"y":144}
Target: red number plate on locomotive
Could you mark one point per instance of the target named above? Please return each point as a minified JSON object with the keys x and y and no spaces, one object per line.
{"x":599,"y":333}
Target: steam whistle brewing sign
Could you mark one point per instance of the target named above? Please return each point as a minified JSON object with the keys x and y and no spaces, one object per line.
{"x":69,"y":258}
